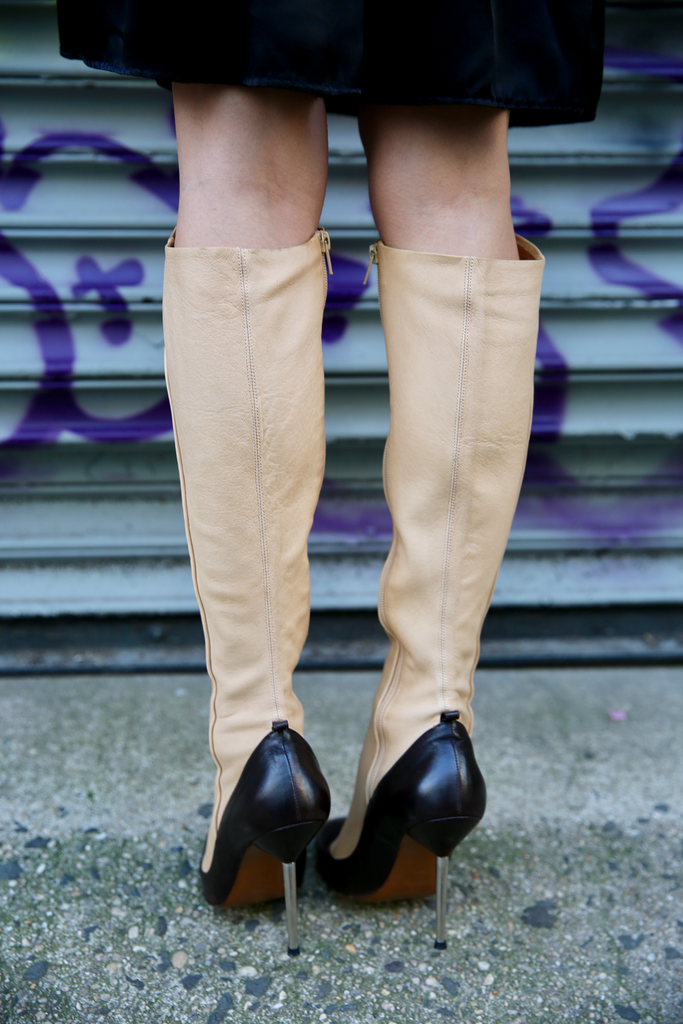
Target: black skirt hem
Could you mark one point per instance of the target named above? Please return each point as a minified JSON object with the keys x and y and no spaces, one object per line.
{"x":348,"y":101}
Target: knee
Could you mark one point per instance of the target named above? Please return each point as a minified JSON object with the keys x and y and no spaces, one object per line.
{"x":439,"y":179}
{"x":436,"y":156}
{"x":253,"y":165}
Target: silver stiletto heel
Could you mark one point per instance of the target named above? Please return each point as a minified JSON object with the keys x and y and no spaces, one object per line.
{"x":289,"y":874}
{"x":441,"y":894}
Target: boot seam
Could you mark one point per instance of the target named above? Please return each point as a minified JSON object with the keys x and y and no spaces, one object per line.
{"x":393,"y":683}
{"x":455,"y":468}
{"x":258,"y":477}
{"x":202,"y":609}
{"x":382,"y":712}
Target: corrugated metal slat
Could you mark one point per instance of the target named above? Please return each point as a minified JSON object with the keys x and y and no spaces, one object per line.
{"x":88,"y":185}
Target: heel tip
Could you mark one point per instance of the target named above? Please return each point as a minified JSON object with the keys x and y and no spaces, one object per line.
{"x":293,"y":952}
{"x":439,"y":945}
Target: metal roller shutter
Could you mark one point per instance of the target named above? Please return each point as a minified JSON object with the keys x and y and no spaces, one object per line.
{"x":90,"y":512}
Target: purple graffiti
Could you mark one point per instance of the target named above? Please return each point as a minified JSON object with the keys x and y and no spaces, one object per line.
{"x":106,"y":284}
{"x":53,"y":408}
{"x":17,"y":182}
{"x":358,"y":520}
{"x":54,"y":334}
{"x":615,"y":268}
{"x":550,"y":394}
{"x":657,"y":65}
{"x":628,"y":518}
{"x":527,"y":220}
{"x":117,"y":331}
{"x":664,"y":195}
{"x":344,"y":290}
{"x":542,"y":469}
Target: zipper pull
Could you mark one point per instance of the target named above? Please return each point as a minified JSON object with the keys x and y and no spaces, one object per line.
{"x":373,"y":259}
{"x":325,"y":246}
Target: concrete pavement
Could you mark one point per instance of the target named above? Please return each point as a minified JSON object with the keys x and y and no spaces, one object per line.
{"x":565,"y":905}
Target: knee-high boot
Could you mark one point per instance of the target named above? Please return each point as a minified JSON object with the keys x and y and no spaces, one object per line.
{"x":461,"y":341}
{"x":244,"y":371}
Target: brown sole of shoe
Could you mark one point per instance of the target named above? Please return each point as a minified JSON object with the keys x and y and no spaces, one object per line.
{"x":413,"y":874}
{"x":259,"y":880}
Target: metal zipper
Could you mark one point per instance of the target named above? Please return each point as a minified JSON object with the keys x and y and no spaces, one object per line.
{"x":373,"y":259}
{"x":325,"y":246}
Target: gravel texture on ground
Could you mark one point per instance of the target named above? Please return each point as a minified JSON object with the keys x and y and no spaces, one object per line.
{"x":565,"y":905}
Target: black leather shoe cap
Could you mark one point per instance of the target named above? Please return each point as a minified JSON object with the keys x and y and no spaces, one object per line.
{"x":279,"y":803}
{"x":435,"y":792}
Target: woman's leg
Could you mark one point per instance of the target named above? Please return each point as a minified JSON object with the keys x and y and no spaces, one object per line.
{"x":459,"y":298}
{"x":244,"y":292}
{"x":439,"y":179}
{"x":253,"y":166}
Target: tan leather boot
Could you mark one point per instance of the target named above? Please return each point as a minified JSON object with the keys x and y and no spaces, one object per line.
{"x":461,"y":341}
{"x":242,"y":330}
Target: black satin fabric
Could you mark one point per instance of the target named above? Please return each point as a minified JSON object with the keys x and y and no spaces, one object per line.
{"x":541,"y":59}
